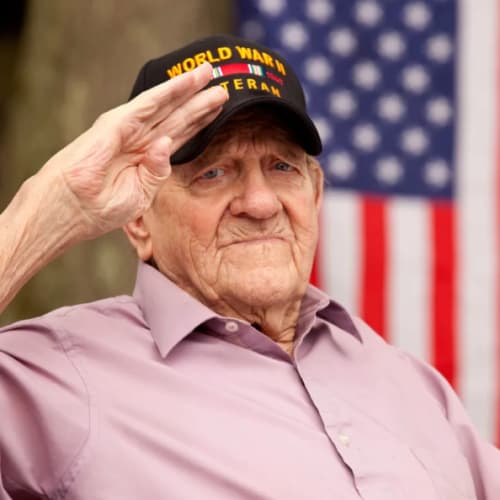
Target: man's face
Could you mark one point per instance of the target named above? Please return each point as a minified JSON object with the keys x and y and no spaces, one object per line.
{"x":238,"y":226}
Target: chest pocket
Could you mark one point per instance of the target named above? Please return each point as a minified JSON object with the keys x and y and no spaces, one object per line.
{"x":449,"y":473}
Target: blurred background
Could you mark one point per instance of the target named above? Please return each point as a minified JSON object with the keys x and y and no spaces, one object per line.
{"x":62,"y":64}
{"x":405,"y":96}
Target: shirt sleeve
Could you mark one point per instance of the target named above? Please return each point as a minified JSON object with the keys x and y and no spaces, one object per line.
{"x":44,"y":409}
{"x":483,"y":457}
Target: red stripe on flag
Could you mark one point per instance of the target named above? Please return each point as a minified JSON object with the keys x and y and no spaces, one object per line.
{"x":315,"y":273}
{"x":315,"y":278}
{"x":373,"y":264}
{"x":443,"y":296}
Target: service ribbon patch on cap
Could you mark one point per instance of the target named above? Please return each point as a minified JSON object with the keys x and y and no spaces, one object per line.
{"x":232,"y":67}
{"x":252,"y":74}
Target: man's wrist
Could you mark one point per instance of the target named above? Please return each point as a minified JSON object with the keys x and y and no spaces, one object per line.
{"x":39,"y":224}
{"x":54,"y":218}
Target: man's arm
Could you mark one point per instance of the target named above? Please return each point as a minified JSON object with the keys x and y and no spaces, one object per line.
{"x":106,"y":177}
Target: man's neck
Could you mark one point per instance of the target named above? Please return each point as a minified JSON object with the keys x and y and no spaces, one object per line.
{"x":278,"y":322}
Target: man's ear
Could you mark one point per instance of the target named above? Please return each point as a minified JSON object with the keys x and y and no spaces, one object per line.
{"x":139,"y":236}
{"x":317,"y":179}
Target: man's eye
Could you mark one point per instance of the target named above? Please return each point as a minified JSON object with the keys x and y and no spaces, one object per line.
{"x":284,"y":167}
{"x":212,"y":173}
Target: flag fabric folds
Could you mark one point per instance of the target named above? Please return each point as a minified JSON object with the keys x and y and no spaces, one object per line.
{"x":405,"y":96}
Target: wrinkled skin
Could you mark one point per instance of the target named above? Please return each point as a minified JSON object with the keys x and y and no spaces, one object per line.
{"x":106,"y":177}
{"x":237,"y":227}
{"x":114,"y":169}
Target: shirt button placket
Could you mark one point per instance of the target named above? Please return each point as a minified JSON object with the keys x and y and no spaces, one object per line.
{"x":344,"y":439}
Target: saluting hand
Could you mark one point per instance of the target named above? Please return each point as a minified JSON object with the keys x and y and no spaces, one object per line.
{"x":112,"y":171}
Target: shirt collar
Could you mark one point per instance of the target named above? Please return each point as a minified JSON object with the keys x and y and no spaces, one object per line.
{"x":172,"y":314}
{"x":317,"y":303}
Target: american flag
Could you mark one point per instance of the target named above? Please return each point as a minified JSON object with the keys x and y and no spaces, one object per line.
{"x":405,"y":96}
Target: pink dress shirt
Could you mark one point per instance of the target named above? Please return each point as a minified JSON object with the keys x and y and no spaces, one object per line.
{"x":157,"y":397}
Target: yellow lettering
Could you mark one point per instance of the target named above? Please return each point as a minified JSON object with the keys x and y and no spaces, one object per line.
{"x":257,"y":56}
{"x":200,"y":58}
{"x":275,"y":91}
{"x":268,"y":59}
{"x":174,"y":70}
{"x":224,"y":53}
{"x":244,"y":52}
{"x":280,"y":67}
{"x":252,"y":84}
{"x":238,"y":84}
{"x":188,"y":64}
{"x":211,"y":58}
{"x":263,"y":86}
{"x":224,"y":85}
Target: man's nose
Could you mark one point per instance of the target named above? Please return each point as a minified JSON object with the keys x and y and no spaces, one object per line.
{"x":255,"y":196}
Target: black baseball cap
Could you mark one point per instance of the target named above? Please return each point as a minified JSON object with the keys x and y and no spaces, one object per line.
{"x":251,"y":73}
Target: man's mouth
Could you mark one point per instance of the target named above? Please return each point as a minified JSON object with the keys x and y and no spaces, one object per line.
{"x":257,"y":240}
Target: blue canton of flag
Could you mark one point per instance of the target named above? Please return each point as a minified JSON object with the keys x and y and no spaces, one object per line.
{"x":379,"y":81}
{"x":405,"y":96}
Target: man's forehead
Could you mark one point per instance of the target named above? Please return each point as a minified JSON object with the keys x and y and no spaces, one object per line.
{"x":239,"y":141}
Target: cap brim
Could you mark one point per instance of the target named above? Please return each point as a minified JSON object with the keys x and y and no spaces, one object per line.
{"x":302,"y":127}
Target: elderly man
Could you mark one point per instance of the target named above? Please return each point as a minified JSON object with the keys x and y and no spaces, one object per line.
{"x":225,"y":375}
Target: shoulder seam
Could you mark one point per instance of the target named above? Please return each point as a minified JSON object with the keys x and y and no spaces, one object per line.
{"x":69,"y":472}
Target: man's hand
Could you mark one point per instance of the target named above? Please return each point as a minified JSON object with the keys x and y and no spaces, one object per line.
{"x":113,"y":171}
{"x":104,"y":178}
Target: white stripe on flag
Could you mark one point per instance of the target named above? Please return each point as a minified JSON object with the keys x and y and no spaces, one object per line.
{"x":408,"y":248}
{"x":340,"y":248}
{"x":477,"y":226}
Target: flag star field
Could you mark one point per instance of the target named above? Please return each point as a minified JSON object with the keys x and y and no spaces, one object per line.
{"x":405,"y":95}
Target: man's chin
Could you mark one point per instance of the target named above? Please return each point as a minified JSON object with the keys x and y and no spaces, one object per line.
{"x":268,"y":253}
{"x":266,"y":287}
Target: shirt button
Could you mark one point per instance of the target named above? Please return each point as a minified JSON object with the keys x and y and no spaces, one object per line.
{"x":344,"y":439}
{"x":231,"y":326}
